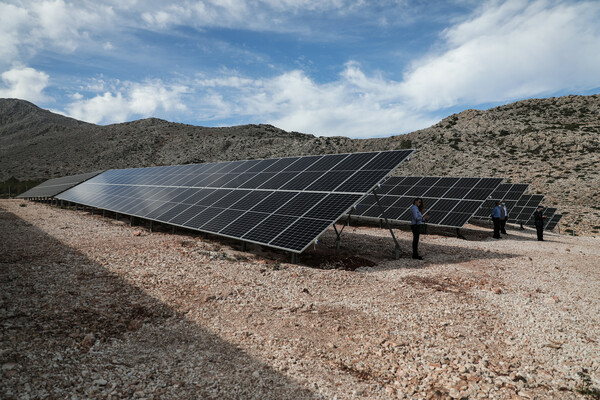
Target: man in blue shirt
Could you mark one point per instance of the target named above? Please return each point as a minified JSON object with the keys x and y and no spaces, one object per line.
{"x":496,"y":214}
{"x":417,"y":218}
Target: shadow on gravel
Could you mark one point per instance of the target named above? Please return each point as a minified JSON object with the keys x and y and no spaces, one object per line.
{"x":364,"y":250}
{"x":71,"y":328}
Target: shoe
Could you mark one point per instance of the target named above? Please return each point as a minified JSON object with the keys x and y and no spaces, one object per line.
{"x":417,"y":257}
{"x":496,"y":237}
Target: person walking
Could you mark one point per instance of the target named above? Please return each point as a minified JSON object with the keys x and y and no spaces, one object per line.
{"x":496,"y":213}
{"x":503,"y":217}
{"x":417,"y":219}
{"x":538,"y":217}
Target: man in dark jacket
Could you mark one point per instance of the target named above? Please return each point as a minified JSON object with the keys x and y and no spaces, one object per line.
{"x":538,"y":217}
{"x":496,"y":213}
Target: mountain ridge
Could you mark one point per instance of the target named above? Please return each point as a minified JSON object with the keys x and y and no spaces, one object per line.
{"x":553,"y":144}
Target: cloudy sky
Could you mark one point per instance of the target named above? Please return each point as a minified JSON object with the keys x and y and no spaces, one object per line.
{"x":327,"y":67}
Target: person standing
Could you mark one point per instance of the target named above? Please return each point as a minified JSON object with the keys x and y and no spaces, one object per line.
{"x":417,"y":219}
{"x":496,"y":213}
{"x":538,"y":217}
{"x":503,"y":218}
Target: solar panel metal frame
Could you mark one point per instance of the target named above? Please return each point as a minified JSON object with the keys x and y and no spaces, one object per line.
{"x":509,"y":192}
{"x":367,"y":169}
{"x":406,"y":189}
{"x":54,"y":186}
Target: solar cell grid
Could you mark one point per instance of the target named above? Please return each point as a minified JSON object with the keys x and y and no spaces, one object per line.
{"x":268,"y":228}
{"x":329,"y":181}
{"x":300,"y":204}
{"x":244,"y":224}
{"x":361,"y":181}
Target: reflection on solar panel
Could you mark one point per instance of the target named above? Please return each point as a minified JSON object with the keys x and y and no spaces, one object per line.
{"x":449,"y":201}
{"x":553,"y":222}
{"x":52,"y":187}
{"x":525,"y":208}
{"x":508,"y":192}
{"x":286,"y":203}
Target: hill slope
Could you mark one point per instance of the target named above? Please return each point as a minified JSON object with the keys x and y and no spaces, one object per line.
{"x":553,"y":144}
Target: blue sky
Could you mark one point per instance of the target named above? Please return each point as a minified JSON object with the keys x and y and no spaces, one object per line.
{"x":329,"y":67}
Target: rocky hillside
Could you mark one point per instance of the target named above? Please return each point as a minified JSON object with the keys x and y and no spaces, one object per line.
{"x":553,"y":144}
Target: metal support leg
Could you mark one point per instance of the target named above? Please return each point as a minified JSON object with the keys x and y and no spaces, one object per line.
{"x":151,"y":226}
{"x":338,"y":240}
{"x":103,"y":213}
{"x":173,"y":229}
{"x":131,"y":221}
{"x":521,"y":226}
{"x":397,"y":250}
{"x":294,"y":258}
{"x":458,"y":234}
{"x":244,"y":246}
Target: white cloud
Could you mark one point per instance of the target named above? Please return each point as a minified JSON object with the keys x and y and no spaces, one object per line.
{"x":508,"y":51}
{"x":130,"y":100}
{"x":354,"y":105}
{"x":24,"y":83}
{"x":27,"y":27}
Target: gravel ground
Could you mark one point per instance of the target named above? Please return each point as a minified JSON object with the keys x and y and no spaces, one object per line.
{"x":91,"y":307}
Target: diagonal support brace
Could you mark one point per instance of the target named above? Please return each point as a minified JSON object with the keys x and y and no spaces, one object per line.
{"x":338,"y":240}
{"x":397,"y":250}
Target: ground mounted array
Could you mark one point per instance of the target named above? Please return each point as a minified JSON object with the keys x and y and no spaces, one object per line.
{"x":450,"y":202}
{"x":284,"y":203}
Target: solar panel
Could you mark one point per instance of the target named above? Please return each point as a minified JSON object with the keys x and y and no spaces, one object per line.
{"x":285,"y":203}
{"x":509,"y":192}
{"x":553,"y":222}
{"x":449,"y":201}
{"x":52,"y":187}
{"x":548,"y":212}
{"x":524,"y":208}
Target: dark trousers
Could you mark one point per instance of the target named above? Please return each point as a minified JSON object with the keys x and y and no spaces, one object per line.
{"x":415,"y":244}
{"x":540,"y":231}
{"x":496,"y":222}
{"x":503,"y":225}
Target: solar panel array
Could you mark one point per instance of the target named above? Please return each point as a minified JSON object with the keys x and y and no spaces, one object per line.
{"x":553,"y":222}
{"x":449,"y":201}
{"x":284,"y":203}
{"x":509,"y":192}
{"x":52,"y":187}
{"x":525,"y":208}
{"x":548,"y":212}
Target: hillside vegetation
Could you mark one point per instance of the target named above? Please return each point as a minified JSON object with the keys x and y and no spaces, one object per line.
{"x":553,"y":144}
